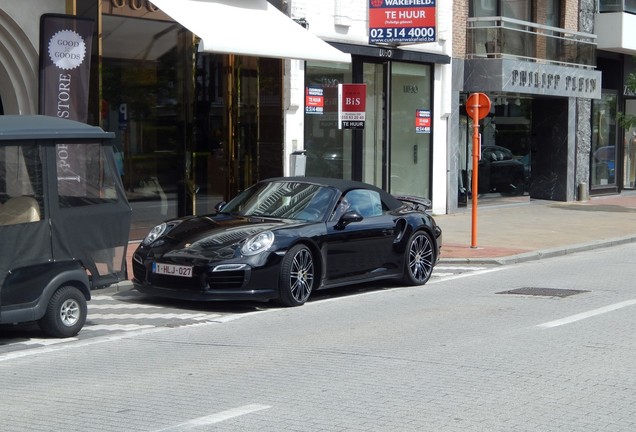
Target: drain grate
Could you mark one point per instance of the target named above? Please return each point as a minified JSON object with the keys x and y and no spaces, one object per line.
{"x":546,"y":292}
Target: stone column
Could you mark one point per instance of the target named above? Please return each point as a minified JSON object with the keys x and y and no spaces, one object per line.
{"x":584,"y":107}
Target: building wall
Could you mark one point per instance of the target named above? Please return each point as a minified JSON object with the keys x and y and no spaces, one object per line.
{"x":460,"y":17}
{"x":571,"y":15}
{"x":19,"y":38}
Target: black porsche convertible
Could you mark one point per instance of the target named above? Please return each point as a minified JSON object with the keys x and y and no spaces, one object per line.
{"x":284,"y":238}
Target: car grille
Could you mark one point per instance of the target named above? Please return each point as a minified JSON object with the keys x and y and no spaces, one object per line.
{"x":139,"y":271}
{"x":215,"y":280}
{"x":227,"y":279}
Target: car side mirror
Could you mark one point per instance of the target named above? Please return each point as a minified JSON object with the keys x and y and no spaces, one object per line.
{"x":347,"y":218}
{"x":219,"y":206}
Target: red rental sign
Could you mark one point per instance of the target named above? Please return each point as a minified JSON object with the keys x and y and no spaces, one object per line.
{"x":314,"y":100}
{"x":397,"y":22}
{"x":352,"y":101}
{"x":394,"y":18}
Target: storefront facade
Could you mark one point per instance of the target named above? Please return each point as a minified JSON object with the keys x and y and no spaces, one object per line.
{"x":614,"y":142}
{"x":404,"y":82}
{"x":392,"y":151}
{"x":193,"y":128}
{"x":196,"y":122}
{"x":189,"y":140}
{"x":536,"y":61}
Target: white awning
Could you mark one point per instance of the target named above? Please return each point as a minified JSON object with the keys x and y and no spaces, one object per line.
{"x":249,"y":27}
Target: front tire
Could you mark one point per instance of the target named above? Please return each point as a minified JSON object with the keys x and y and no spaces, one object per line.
{"x":297,"y":276}
{"x":419,"y":260}
{"x":65,"y":314}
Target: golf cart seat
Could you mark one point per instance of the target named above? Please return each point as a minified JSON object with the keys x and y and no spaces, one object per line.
{"x":17,"y":210}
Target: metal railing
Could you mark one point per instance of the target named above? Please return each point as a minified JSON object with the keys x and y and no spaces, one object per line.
{"x":501,"y":37}
{"x":628,"y":6}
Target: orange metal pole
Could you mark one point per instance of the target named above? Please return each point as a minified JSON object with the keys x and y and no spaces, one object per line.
{"x":475,"y":181}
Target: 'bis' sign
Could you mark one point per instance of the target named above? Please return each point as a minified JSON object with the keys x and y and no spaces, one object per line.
{"x":352,"y":101}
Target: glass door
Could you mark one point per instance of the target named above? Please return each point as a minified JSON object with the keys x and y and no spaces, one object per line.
{"x":373,"y":141}
{"x":630,"y":149}
{"x":603,"y":151}
{"x":410,"y":137}
{"x":239,"y":127}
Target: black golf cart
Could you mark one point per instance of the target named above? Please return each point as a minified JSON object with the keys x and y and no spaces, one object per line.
{"x":64,"y":221}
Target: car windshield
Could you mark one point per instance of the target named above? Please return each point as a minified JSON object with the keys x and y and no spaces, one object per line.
{"x":285,"y":200}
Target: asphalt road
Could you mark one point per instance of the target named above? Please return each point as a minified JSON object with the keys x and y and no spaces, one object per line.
{"x":541,"y":346}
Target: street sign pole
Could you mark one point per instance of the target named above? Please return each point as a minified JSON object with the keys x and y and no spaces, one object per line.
{"x":478,"y":106}
{"x":475,"y":182}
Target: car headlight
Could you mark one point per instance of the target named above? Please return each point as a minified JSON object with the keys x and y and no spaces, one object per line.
{"x":258,"y":243}
{"x":155,"y":233}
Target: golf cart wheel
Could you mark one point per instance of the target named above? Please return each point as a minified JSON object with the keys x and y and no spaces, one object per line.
{"x":65,"y":314}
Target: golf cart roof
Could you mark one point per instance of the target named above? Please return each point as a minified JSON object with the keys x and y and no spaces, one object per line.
{"x":33,"y":127}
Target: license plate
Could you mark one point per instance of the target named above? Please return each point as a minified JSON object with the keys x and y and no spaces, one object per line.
{"x":172,"y":270}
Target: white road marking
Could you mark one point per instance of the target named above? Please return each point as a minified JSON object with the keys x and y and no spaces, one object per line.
{"x":215,"y":418}
{"x":47,"y":342}
{"x":465,"y":275}
{"x":78,"y":343}
{"x":588,"y":314}
{"x":448,"y":267}
{"x":121,"y":306}
{"x":116,"y":327}
{"x":182,"y":316}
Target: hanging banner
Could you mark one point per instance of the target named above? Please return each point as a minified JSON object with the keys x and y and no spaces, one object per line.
{"x":397,"y":22}
{"x":65,"y":54}
{"x":352,"y":101}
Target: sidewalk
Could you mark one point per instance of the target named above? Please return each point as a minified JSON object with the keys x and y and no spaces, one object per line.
{"x":536,"y":229}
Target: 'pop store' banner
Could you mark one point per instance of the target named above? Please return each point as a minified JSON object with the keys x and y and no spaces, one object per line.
{"x":65,"y":54}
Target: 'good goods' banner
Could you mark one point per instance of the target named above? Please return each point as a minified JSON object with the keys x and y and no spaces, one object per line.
{"x":65,"y":54}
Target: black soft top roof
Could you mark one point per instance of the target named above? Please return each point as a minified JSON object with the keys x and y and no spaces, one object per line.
{"x":344,"y":186}
{"x":38,"y":127}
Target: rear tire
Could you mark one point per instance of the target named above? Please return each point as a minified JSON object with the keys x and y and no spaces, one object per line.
{"x":296,"y":276}
{"x":65,"y":314}
{"x":419,"y":260}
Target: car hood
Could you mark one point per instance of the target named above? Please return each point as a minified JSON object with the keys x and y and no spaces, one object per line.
{"x":215,"y":236}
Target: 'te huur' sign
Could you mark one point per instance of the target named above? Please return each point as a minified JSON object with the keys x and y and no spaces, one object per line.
{"x":397,"y":22}
{"x":352,"y":102}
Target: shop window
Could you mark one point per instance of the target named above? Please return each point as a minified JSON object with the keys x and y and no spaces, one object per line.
{"x":629,"y":167}
{"x":410,"y":151}
{"x":328,"y":149}
{"x":603,"y":150}
{"x":143,"y":101}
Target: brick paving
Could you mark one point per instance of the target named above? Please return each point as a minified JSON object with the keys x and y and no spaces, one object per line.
{"x":538,"y":228}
